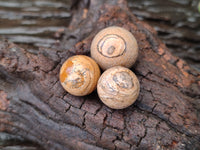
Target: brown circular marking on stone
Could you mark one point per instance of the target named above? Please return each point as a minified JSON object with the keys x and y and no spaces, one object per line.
{"x":114,"y":46}
{"x":111,"y":45}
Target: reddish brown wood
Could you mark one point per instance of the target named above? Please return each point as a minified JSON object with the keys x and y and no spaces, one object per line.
{"x":35,"y":106}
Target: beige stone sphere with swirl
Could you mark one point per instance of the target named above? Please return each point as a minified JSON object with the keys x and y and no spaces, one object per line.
{"x":79,"y":75}
{"x":118,"y":87}
{"x":114,"y":46}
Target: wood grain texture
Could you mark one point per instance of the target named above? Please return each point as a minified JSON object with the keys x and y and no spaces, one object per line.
{"x":176,"y":23}
{"x":36,"y":107}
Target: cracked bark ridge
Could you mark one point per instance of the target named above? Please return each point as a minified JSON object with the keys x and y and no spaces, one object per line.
{"x":33,"y":104}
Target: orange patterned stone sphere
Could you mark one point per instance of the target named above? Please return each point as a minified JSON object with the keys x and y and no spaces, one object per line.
{"x":114,"y":46}
{"x":118,"y":87}
{"x":79,"y":75}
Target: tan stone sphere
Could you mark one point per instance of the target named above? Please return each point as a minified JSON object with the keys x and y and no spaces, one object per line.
{"x":118,"y":87}
{"x":79,"y":75}
{"x":114,"y":46}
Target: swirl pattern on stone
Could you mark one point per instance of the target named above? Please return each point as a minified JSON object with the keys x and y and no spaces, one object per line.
{"x":123,"y":80}
{"x":79,"y":75}
{"x":111,"y":45}
{"x":118,"y":87}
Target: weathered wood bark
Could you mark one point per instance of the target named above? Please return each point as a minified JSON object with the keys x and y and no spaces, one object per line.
{"x":34,"y":106}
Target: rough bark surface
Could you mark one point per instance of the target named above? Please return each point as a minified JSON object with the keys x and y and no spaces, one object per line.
{"x":33,"y":105}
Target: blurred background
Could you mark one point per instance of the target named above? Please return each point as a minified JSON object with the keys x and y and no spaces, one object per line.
{"x":33,"y":23}
{"x":177,"y":23}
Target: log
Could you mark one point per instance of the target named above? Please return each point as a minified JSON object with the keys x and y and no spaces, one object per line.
{"x":34,"y":106}
{"x":172,"y":25}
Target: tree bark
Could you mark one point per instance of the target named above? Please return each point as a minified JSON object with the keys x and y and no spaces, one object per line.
{"x":33,"y":104}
